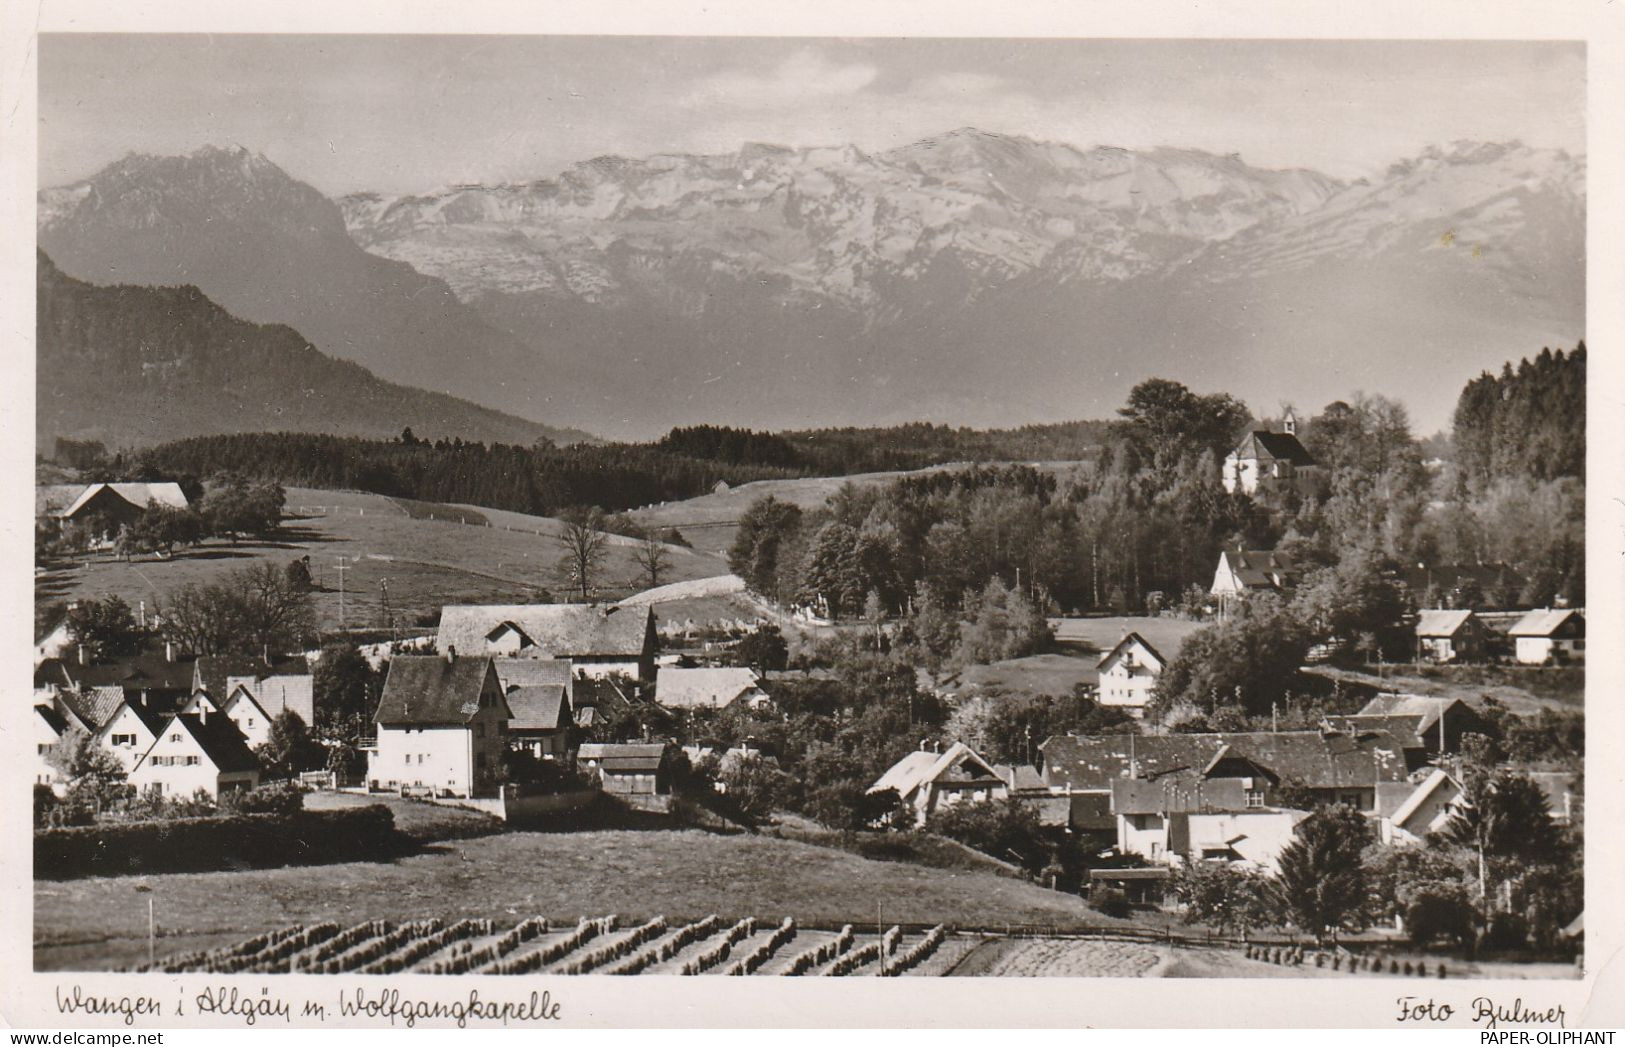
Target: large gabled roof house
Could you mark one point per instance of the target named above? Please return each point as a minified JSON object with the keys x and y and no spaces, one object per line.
{"x":1449,"y":636}
{"x":129,"y":732}
{"x":1270,"y":460}
{"x":1244,"y":571}
{"x":599,"y":641}
{"x":442,"y":726}
{"x":196,"y":753}
{"x":251,"y":719}
{"x":103,"y":508}
{"x":49,"y":726}
{"x":160,"y":678}
{"x":1128,"y":673}
{"x":928,"y":780}
{"x":1554,"y":636}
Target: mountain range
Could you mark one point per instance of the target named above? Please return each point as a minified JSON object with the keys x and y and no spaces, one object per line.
{"x":972,"y":278}
{"x":133,"y":365}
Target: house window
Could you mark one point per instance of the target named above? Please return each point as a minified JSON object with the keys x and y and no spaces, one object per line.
{"x":1255,"y":797}
{"x":175,"y":737}
{"x":124,"y":739}
{"x":192,"y":761}
{"x":44,"y":747}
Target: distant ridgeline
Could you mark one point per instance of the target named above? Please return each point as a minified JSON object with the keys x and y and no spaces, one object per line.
{"x":1524,"y":423}
{"x":543,"y":480}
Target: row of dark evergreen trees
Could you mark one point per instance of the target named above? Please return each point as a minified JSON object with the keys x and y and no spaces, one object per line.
{"x":1528,"y":422}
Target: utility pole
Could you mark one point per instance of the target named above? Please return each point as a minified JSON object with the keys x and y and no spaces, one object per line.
{"x":343,"y":625}
{"x":389,"y":622}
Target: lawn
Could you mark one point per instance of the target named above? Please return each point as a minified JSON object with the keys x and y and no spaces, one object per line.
{"x":1523,"y":689}
{"x":421,"y":821}
{"x":100,"y":923}
{"x":427,"y":560}
{"x":1037,"y":674}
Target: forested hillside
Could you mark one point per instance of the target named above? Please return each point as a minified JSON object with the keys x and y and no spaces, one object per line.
{"x":1528,"y":422}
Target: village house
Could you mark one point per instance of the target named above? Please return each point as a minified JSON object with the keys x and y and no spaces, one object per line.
{"x":442,"y":725}
{"x":1271,"y":461}
{"x":251,"y":719}
{"x":129,"y":731}
{"x":1449,"y":636}
{"x":1128,"y":673}
{"x":104,"y":508}
{"x":277,"y":682}
{"x":48,"y":727}
{"x":629,"y":770}
{"x":928,"y":781}
{"x":1245,"y":571}
{"x":541,"y":721}
{"x":1332,"y":766}
{"x":1427,"y":726}
{"x":598,"y":641}
{"x":1550,"y":636}
{"x":722,"y":688}
{"x":201,"y":753}
{"x":1424,"y":810}
{"x":159,"y":678}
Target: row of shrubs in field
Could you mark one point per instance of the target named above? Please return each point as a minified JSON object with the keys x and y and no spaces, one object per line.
{"x":553,"y":952}
{"x":917,"y":953}
{"x":472,"y":959}
{"x":669,"y":946}
{"x":204,"y":844}
{"x":718,"y":953}
{"x":406,"y":959}
{"x":1293,"y":955}
{"x":886,"y":946}
{"x":619,"y":949}
{"x":753,"y":960}
{"x":819,"y":955}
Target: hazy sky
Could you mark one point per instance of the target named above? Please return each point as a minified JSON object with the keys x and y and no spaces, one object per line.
{"x":403,"y":113}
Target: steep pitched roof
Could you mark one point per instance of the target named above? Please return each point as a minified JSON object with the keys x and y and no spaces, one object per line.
{"x":147,"y":671}
{"x":137,"y":494}
{"x":1431,"y":784}
{"x":220,"y":741}
{"x":1424,"y":709}
{"x":702,"y":688}
{"x":1259,"y":568}
{"x":1438,"y":623}
{"x":555,"y":630}
{"x":1020,"y":777}
{"x":959,"y":764}
{"x":96,"y":707}
{"x":1127,"y":642}
{"x":293,"y":692}
{"x":1266,"y":445}
{"x":1177,"y":793}
{"x":214,"y":672}
{"x":1319,"y":759}
{"x":629,"y":757}
{"x":532,"y":672}
{"x":429,"y":689}
{"x":545,"y":708}
{"x":1546,"y":622}
{"x":52,"y":718}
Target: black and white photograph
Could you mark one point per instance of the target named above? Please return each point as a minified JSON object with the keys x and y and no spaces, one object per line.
{"x":808,"y":506}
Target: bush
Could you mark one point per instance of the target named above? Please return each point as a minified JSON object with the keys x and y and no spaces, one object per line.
{"x":206,"y":844}
{"x":1506,"y":932}
{"x":1442,"y":913}
{"x":1109,"y":901}
{"x":284,"y":798}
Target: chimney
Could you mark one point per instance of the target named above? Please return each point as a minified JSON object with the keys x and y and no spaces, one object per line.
{"x":84,"y":658}
{"x":451,"y":653}
{"x":169,"y":650}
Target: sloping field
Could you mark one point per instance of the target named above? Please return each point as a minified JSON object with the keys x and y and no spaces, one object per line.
{"x":683,"y":875}
{"x":1098,"y":635}
{"x":426,"y":559}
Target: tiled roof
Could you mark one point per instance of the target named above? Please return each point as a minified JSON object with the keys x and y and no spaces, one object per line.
{"x":545,"y":708}
{"x":147,"y":671}
{"x":429,"y":689}
{"x":96,"y":706}
{"x":1258,"y":568}
{"x":1263,"y":444}
{"x":556,"y":630}
{"x":1177,"y":793}
{"x":959,"y":764}
{"x":702,"y":688}
{"x":1546,"y":622}
{"x":532,"y":672}
{"x":137,"y":494}
{"x":1128,"y":641}
{"x":627,"y":757}
{"x":1441,"y":623}
{"x":214,"y":672}
{"x":1315,"y":758}
{"x":220,"y":741}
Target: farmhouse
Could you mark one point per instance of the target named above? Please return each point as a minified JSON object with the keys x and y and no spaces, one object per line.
{"x":1244,"y":571}
{"x":1449,"y":636}
{"x":1271,"y":460}
{"x":598,"y":641}
{"x":541,"y":719}
{"x":928,"y":781}
{"x":636,"y":769}
{"x":1425,"y":725}
{"x":102,"y":508}
{"x":196,"y":753}
{"x":1336,"y":766}
{"x":1128,"y":673}
{"x":678,"y":688}
{"x":442,"y":722}
{"x":1554,"y":636}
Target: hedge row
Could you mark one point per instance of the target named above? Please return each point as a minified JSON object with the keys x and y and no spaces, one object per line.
{"x":750,"y":962}
{"x":338,"y":943}
{"x":719,"y":952}
{"x":207,"y":844}
{"x":552,"y":952}
{"x":619,"y":949}
{"x":374,"y":949}
{"x":404,"y":959}
{"x":917,"y":953}
{"x":264,"y":948}
{"x":526,"y":930}
{"x":668,"y":947}
{"x":819,"y":955}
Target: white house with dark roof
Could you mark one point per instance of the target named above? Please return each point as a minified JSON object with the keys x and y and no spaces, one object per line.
{"x":196,"y":753}
{"x":540,"y":720}
{"x":1128,"y":673}
{"x":442,"y":725}
{"x":598,"y":641}
{"x":252,"y":720}
{"x":1549,"y":636}
{"x":48,"y":728}
{"x":1266,"y":459}
{"x":129,"y":733}
{"x":928,"y":781}
{"x":1244,"y":571}
{"x":1449,"y":636}
{"x":105,"y":507}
